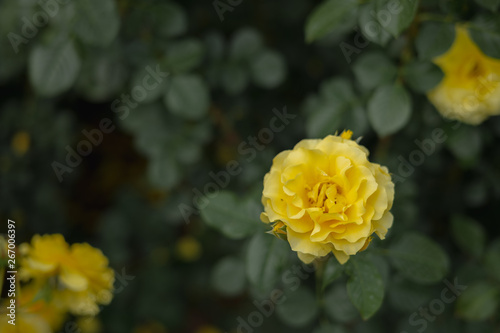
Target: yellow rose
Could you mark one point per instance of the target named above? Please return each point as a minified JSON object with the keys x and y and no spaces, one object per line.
{"x":470,"y":89}
{"x":328,"y":197}
{"x":80,"y":270}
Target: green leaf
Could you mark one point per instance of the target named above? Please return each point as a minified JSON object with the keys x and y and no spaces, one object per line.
{"x":228,"y":276}
{"x":406,"y":297}
{"x":169,"y":18}
{"x":485,"y":32}
{"x":356,"y":120}
{"x":333,"y":271}
{"x":330,"y":329}
{"x":370,"y":27}
{"x":389,"y":109}
{"x":469,"y":235}
{"x":235,"y":219}
{"x":234,"y":79}
{"x":299,"y":308}
{"x":478,"y":302}
{"x":97,"y":22}
{"x":492,"y":260}
{"x":338,"y":306}
{"x":329,"y":16}
{"x":53,"y":68}
{"x":327,"y":118}
{"x":396,"y":16}
{"x":188,"y":97}
{"x":266,"y":257}
{"x":163,"y":171}
{"x":365,"y":287}
{"x":155,"y":88}
{"x":245,"y":44}
{"x":268,"y":69}
{"x":419,"y":259}
{"x":434,"y":39}
{"x":465,"y":143}
{"x":489,"y":4}
{"x":374,"y":69}
{"x":422,"y":76}
{"x":184,"y":56}
{"x":102,"y":76}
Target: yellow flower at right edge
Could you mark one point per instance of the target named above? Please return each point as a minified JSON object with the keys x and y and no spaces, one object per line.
{"x":470,"y":89}
{"x":327,"y":197}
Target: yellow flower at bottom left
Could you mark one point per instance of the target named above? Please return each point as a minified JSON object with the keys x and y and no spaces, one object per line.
{"x":81,"y":272}
{"x":32,"y":315}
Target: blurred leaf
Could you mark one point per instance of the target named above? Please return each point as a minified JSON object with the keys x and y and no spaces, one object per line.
{"x":434,"y":39}
{"x":365,"y":286}
{"x":268,"y":69}
{"x":478,"y":302}
{"x":422,"y":76}
{"x":333,"y":271}
{"x":215,"y":45}
{"x":419,"y":259}
{"x":337,"y":97}
{"x":156,"y":87}
{"x":465,"y":143}
{"x":163,"y":171}
{"x":370,"y":27}
{"x":53,"y":68}
{"x":330,"y":329}
{"x":266,"y":257}
{"x":102,"y":76}
{"x":489,"y":4}
{"x":469,"y":235}
{"x":338,"y":306}
{"x":329,"y":16}
{"x":356,"y":120}
{"x":492,"y":259}
{"x":245,"y":44}
{"x":485,"y":32}
{"x":389,"y":109}
{"x":396,"y":16}
{"x":188,"y":97}
{"x":234,"y":79}
{"x":374,"y":69}
{"x":299,"y":308}
{"x":185,"y":55}
{"x":235,"y":219}
{"x":228,"y":276}
{"x":97,"y":21}
{"x":169,"y":18}
{"x":406,"y":297}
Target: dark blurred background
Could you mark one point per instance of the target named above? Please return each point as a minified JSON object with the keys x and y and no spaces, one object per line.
{"x":229,"y":64}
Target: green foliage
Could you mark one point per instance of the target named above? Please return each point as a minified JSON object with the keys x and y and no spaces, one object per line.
{"x":54,"y":67}
{"x":469,"y":235}
{"x":434,"y":39}
{"x":228,"y":276}
{"x":389,"y":109}
{"x":329,"y":16}
{"x":478,"y":302}
{"x":266,"y":257}
{"x":365,"y":287}
{"x":419,"y":259}
{"x":299,"y":308}
{"x":235,"y":219}
{"x":396,"y":16}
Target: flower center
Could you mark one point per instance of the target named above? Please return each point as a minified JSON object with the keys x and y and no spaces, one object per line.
{"x":328,"y":196}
